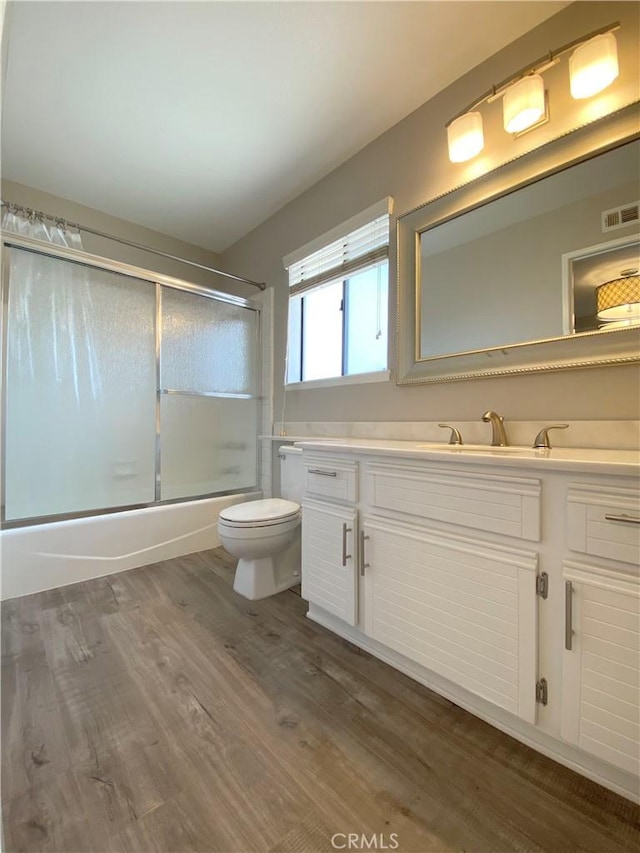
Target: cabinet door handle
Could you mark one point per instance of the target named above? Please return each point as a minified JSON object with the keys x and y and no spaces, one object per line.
{"x":568,"y":615}
{"x":363,"y":565}
{"x":323,"y":473}
{"x":628,"y":519}
{"x":345,"y":556}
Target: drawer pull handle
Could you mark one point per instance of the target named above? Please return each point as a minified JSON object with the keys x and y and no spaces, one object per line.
{"x":323,"y":473}
{"x":345,"y":556}
{"x":628,"y":519}
{"x":363,"y":565}
{"x":568,"y":615}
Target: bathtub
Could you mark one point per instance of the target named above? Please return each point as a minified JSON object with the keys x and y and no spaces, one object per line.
{"x":49,"y":555}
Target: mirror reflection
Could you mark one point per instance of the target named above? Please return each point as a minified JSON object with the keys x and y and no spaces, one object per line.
{"x":552,"y":259}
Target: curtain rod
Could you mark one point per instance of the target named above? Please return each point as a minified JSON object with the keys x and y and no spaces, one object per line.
{"x":65,"y":223}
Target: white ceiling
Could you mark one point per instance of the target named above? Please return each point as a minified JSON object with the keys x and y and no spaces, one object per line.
{"x":201,"y":119}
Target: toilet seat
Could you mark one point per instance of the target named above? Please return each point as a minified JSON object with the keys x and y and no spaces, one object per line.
{"x":264,"y":513}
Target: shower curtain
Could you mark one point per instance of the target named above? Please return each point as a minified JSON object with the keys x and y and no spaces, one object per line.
{"x":69,"y":309}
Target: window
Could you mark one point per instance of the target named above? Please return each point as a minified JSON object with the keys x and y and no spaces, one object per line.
{"x":338,"y":300}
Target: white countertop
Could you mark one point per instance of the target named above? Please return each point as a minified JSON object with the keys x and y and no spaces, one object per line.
{"x":626,"y":462}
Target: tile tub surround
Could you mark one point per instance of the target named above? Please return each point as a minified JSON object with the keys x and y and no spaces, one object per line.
{"x":610,"y":435}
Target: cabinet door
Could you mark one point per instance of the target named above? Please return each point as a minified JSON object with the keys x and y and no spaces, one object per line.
{"x":601,"y":683}
{"x":464,"y":609}
{"x":329,"y":576}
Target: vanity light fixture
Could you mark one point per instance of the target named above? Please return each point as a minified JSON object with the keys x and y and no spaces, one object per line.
{"x":465,"y":137}
{"x":523,"y":104}
{"x":593,"y":66}
{"x":619,"y":300}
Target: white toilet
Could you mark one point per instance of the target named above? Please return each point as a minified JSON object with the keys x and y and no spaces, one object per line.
{"x":265,"y":535}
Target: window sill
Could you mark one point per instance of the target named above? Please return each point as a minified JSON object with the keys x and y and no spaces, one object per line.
{"x":355,"y":379}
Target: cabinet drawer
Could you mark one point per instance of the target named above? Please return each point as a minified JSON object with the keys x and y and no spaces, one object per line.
{"x":330,"y":477}
{"x":507,"y":505}
{"x":604,"y":522}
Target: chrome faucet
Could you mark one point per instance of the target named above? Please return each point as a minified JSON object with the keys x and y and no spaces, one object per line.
{"x":498,"y":436}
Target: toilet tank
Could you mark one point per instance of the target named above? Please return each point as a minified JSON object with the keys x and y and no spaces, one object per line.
{"x":291,"y":473}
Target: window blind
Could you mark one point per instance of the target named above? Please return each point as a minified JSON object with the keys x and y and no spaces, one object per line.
{"x":351,"y":251}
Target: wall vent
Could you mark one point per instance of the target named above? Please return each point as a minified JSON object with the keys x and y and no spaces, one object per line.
{"x":620,"y":217}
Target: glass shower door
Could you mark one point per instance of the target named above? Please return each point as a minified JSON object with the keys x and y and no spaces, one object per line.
{"x":208,"y":395}
{"x":80,"y":389}
{"x":121,"y":391}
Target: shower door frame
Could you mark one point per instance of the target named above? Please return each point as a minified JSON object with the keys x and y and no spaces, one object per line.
{"x":158,"y":281}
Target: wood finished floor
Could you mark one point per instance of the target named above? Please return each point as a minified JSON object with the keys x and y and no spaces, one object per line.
{"x":156,"y":710}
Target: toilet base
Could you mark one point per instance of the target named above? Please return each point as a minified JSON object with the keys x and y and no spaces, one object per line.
{"x":255,"y":579}
{"x":266,"y":576}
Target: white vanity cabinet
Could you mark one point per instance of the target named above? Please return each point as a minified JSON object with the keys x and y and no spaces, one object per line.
{"x":385,"y":557}
{"x":461,"y":604}
{"x":330,"y":535}
{"x":508,"y":584}
{"x":601,"y":659}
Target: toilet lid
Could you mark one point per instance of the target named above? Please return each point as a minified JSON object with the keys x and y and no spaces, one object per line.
{"x":271,"y":509}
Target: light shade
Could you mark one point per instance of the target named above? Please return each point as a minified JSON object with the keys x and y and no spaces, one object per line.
{"x":465,"y":137}
{"x":593,"y":66}
{"x":523,"y":104}
{"x":619,"y":299}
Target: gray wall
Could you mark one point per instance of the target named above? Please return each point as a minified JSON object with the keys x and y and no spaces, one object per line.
{"x":410,"y":163}
{"x":38,"y":200}
{"x":5,"y":14}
